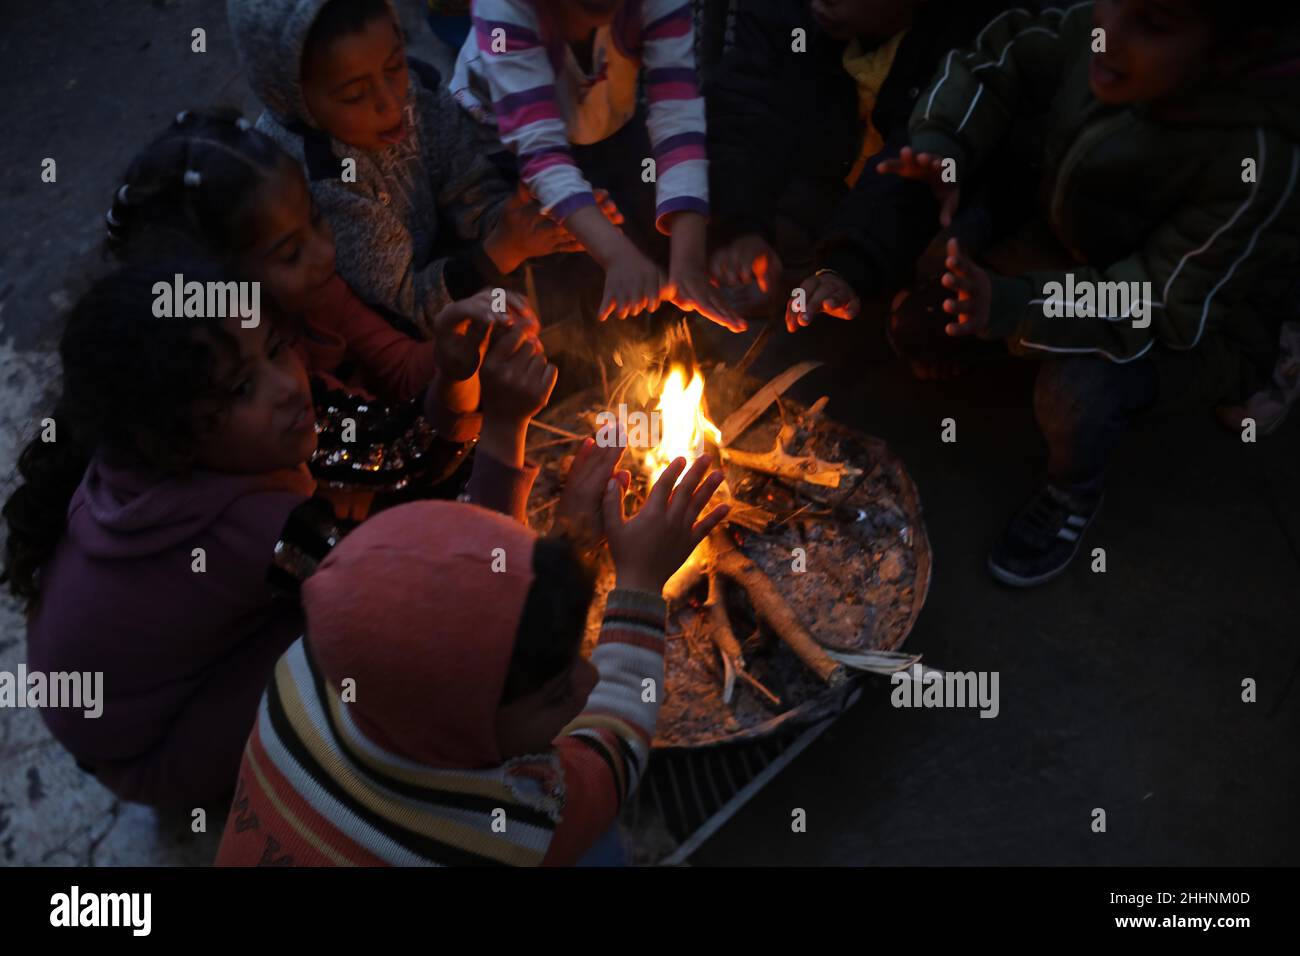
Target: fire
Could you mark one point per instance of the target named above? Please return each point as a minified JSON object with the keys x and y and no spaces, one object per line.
{"x":684,"y":429}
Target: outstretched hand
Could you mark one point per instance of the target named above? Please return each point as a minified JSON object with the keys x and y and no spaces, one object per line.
{"x":748,"y":258}
{"x":927,"y":168}
{"x":523,"y":232}
{"x":461,"y":329}
{"x":517,"y":378}
{"x":691,"y":290}
{"x":827,"y":292}
{"x":654,"y":543}
{"x":974,"y":293}
{"x":579,"y":516}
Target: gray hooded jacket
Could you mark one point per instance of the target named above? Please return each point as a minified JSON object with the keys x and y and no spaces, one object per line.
{"x":390,"y":226}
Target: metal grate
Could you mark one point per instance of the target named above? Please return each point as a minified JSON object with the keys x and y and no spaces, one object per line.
{"x":687,"y":795}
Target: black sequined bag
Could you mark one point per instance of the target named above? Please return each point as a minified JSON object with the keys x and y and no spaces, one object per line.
{"x":380,"y":447}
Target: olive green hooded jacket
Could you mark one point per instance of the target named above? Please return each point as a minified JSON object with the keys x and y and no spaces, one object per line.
{"x":1204,"y":207}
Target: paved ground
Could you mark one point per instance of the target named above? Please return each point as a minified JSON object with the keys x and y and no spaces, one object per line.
{"x":1119,"y":691}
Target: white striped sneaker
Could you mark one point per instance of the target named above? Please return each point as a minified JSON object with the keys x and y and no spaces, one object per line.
{"x":1042,"y":538}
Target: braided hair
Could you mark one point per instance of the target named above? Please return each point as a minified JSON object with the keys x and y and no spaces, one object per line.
{"x":190,"y":191}
{"x":132,"y":388}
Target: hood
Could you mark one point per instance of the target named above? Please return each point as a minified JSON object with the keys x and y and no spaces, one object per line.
{"x":1269,"y":92}
{"x":122,"y":512}
{"x":270,"y":36}
{"x":410,"y":607}
{"x":1262,"y":94}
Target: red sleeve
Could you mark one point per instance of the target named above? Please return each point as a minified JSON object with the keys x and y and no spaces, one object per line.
{"x":604,"y":751}
{"x":591,"y":803}
{"x":494,"y":484}
{"x":395,"y":365}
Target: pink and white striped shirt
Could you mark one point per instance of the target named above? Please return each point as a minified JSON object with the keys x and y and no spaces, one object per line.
{"x":516,"y":71}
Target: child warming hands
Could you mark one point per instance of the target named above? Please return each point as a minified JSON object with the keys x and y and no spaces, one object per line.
{"x":419,"y":216}
{"x":560,"y":82}
{"x":1172,"y":157}
{"x":438,"y":710}
{"x":212,"y":184}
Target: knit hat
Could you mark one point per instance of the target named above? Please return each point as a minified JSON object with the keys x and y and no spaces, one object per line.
{"x":420,"y":606}
{"x":270,"y":36}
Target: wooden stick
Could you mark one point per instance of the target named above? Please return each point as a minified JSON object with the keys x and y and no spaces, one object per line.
{"x":552,"y":443}
{"x":555,"y":430}
{"x":791,"y":468}
{"x":772,"y":607}
{"x":530,"y":289}
{"x":755,"y":349}
{"x":754,"y":682}
{"x":683,"y":582}
{"x":544,"y":506}
{"x":716,"y":605}
{"x":748,"y":413}
{"x":724,"y":638}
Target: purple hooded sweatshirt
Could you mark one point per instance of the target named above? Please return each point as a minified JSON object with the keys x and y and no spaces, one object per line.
{"x":185,"y":654}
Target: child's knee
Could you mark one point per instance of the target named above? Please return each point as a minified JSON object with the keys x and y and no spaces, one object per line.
{"x":1072,"y":391}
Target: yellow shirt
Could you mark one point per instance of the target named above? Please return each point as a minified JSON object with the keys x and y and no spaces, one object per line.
{"x":869,"y":71}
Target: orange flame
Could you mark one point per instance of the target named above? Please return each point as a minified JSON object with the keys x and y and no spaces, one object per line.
{"x":684,"y":429}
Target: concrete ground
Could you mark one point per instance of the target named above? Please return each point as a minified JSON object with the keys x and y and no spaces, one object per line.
{"x":1119,"y":691}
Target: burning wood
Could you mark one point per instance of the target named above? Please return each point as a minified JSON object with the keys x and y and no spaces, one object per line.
{"x":733,"y":658}
{"x":779,"y":463}
{"x":712,"y":594}
{"x":773,"y":609}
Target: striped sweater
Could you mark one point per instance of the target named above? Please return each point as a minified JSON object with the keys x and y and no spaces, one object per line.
{"x":516,"y":71}
{"x":315,"y":790}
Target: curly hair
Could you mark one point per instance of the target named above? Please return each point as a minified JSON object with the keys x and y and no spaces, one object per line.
{"x":131,"y":383}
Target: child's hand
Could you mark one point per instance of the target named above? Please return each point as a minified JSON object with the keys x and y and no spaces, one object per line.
{"x":746,"y":259}
{"x":691,"y":290}
{"x":825,"y":292}
{"x":929,"y":169}
{"x":653,"y":544}
{"x":524,"y":233}
{"x":974,"y":293}
{"x":517,"y":379}
{"x":578,"y":516}
{"x":633,"y":284}
{"x":461,"y":330}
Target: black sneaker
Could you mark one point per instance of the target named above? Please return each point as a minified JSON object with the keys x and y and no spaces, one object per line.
{"x":1043,"y":537}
